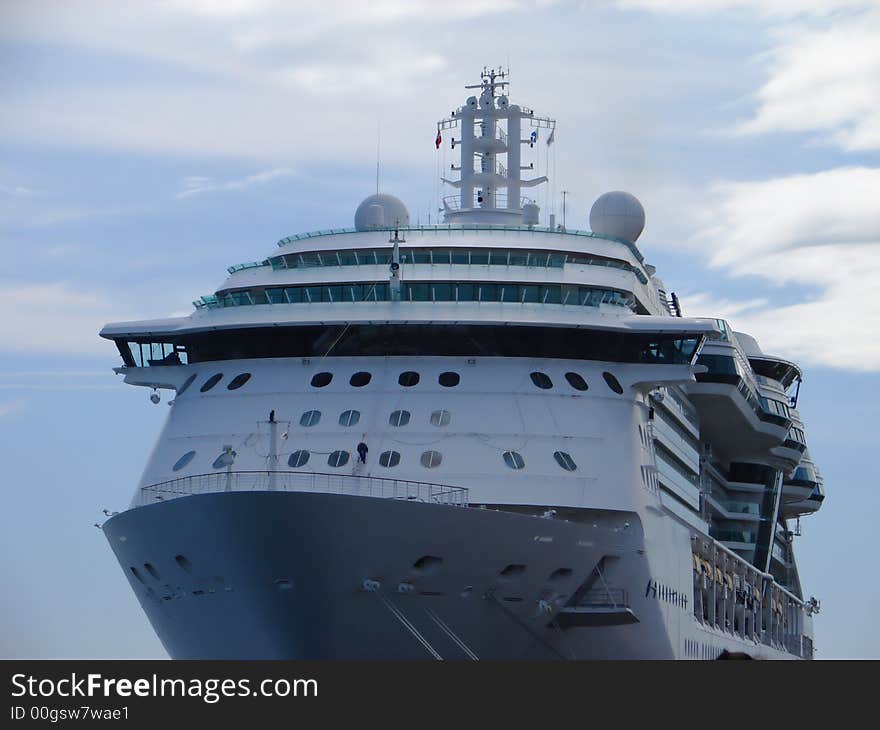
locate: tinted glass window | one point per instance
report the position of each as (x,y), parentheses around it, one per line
(211,382)
(449,380)
(188,382)
(338,458)
(238,381)
(319,380)
(298,458)
(310,418)
(359,380)
(399,418)
(183,460)
(613,382)
(576,381)
(459,340)
(389,458)
(440,418)
(349,418)
(542,380)
(408,379)
(513,459)
(564,460)
(430,459)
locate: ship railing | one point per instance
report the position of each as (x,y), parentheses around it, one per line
(282,481)
(454,202)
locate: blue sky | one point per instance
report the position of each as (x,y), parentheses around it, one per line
(144,147)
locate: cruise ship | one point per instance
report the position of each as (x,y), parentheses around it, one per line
(493,437)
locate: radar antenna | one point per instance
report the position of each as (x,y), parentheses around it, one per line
(491,127)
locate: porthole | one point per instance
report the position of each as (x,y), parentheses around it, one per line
(310,418)
(564,460)
(389,458)
(186,383)
(238,381)
(449,379)
(408,379)
(183,562)
(576,381)
(183,461)
(134,572)
(319,380)
(211,382)
(359,380)
(441,418)
(613,382)
(430,459)
(349,418)
(152,571)
(513,459)
(542,380)
(338,458)
(399,418)
(298,458)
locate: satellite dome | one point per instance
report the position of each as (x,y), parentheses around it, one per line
(381,211)
(619,215)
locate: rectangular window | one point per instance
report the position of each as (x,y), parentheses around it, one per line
(551,294)
(420,256)
(135,349)
(530,293)
(312,293)
(294,294)
(417,292)
(443,292)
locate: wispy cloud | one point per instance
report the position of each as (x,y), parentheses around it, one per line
(766,8)
(822,66)
(196,185)
(824,80)
(52,318)
(812,233)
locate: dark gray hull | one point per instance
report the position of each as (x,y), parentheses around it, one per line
(282,575)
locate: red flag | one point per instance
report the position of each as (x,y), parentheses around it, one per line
(439,140)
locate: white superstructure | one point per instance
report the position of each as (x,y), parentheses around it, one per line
(490,437)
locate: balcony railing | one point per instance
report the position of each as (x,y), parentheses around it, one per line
(283,481)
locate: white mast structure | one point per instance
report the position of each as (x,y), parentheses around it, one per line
(482,141)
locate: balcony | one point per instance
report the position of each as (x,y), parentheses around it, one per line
(743,424)
(283,481)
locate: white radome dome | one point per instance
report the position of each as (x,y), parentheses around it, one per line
(381,211)
(619,215)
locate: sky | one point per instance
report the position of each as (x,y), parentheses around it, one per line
(145,147)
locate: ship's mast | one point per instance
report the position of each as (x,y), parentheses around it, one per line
(491,127)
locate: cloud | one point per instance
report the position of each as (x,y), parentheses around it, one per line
(52,318)
(195,185)
(822,66)
(771,8)
(818,234)
(825,80)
